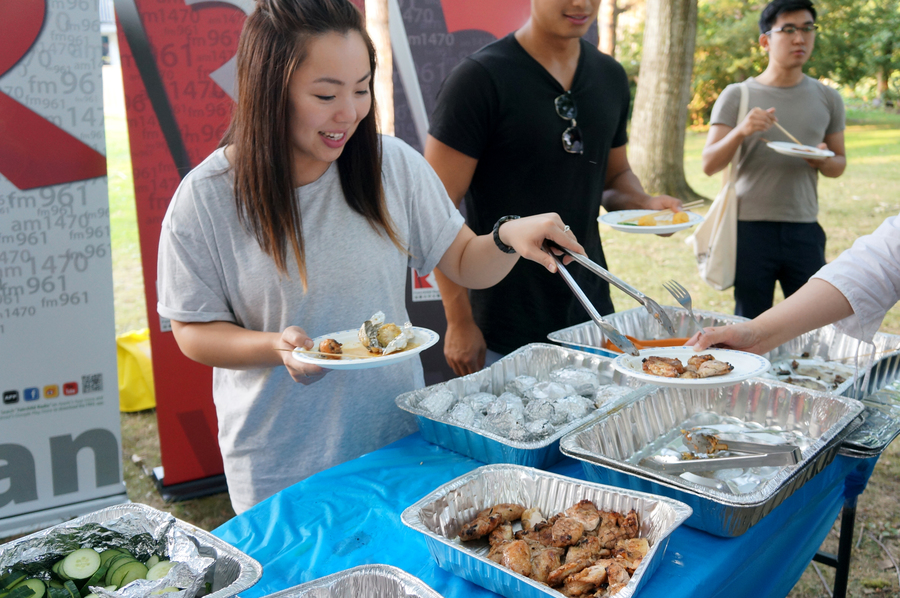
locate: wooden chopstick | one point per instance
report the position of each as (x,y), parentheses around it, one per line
(786,132)
(693,204)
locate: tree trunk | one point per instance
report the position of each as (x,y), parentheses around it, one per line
(663,92)
(609,14)
(377,26)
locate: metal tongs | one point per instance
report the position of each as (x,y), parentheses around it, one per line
(614,336)
(706,445)
(651,306)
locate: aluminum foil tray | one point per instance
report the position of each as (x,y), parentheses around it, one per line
(828,344)
(536,360)
(383,581)
(606,446)
(231,573)
(638,323)
(440,515)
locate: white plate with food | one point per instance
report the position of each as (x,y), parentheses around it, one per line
(799,151)
(664,224)
(710,368)
(354,356)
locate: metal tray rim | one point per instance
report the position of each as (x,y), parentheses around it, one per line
(811,458)
(422,589)
(251,570)
(409,516)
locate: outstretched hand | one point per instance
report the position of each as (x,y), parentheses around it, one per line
(743,337)
(527,235)
(295,337)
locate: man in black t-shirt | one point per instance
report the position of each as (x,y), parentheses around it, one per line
(531,123)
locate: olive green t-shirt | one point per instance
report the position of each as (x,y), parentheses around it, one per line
(771,186)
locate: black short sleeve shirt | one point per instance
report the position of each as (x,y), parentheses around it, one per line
(497,106)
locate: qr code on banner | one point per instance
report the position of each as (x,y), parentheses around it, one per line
(92,383)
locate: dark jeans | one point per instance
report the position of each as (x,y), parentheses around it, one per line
(787,252)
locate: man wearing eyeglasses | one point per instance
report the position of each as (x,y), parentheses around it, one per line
(535,121)
(779,238)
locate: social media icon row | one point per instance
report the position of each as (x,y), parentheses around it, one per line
(50,391)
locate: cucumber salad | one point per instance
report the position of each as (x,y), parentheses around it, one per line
(74,575)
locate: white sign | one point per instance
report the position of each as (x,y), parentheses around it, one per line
(60,438)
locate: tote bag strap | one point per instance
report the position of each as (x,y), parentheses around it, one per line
(742,112)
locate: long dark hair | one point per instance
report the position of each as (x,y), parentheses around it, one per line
(272,46)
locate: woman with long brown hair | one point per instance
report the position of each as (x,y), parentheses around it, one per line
(305,219)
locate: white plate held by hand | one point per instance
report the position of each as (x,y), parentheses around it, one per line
(423,339)
(799,151)
(746,365)
(614,218)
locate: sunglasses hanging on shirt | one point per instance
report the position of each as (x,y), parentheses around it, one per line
(571,137)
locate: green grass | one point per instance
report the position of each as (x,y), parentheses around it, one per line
(851,205)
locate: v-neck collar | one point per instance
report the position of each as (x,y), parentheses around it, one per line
(556,83)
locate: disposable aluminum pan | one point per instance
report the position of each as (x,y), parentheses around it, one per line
(231,572)
(536,360)
(440,515)
(383,581)
(639,324)
(828,344)
(606,446)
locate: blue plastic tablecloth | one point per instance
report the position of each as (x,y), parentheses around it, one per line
(349,515)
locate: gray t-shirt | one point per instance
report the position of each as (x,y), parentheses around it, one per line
(772,186)
(274,432)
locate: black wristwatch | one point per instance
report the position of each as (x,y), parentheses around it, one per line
(500,244)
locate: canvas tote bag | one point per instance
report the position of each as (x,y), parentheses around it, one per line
(715,239)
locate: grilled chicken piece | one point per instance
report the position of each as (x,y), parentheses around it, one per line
(697,360)
(541,535)
(331,347)
(559,575)
(631,525)
(631,552)
(531,517)
(566,531)
(689,374)
(509,511)
(544,560)
(516,555)
(666,367)
(588,547)
(587,579)
(714,367)
(480,526)
(585,512)
(617,577)
(503,533)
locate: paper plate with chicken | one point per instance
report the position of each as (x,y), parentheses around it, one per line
(374,344)
(683,367)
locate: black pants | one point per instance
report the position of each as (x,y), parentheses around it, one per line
(787,252)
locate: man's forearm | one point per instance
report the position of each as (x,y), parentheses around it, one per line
(455,298)
(625,192)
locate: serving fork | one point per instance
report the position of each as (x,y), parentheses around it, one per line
(683,297)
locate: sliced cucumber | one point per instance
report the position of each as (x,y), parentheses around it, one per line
(53,583)
(11,579)
(80,564)
(151,562)
(115,564)
(35,584)
(22,591)
(109,553)
(160,570)
(72,589)
(95,580)
(60,592)
(129,572)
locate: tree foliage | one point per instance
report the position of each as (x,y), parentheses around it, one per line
(857,42)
